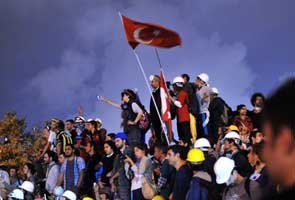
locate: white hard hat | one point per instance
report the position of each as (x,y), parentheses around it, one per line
(70,195)
(214,90)
(178,79)
(27,186)
(17,194)
(232,135)
(204,77)
(202,144)
(151,77)
(58,191)
(223,169)
(98,120)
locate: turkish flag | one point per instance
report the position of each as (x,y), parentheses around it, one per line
(149,34)
(166,114)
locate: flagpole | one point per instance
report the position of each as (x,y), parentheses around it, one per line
(151,93)
(161,69)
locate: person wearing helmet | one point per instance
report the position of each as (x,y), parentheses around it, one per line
(201,182)
(203,95)
(232,150)
(68,195)
(210,156)
(16,194)
(226,173)
(183,118)
(219,116)
(119,181)
(28,189)
(158,197)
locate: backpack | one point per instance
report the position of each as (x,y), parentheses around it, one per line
(226,114)
(213,193)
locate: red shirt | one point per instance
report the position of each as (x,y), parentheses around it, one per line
(183,113)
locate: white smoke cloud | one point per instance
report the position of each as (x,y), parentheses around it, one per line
(101,62)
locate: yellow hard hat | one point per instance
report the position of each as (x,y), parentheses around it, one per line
(233,128)
(87,198)
(195,156)
(158,197)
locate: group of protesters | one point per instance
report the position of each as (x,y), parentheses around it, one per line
(216,153)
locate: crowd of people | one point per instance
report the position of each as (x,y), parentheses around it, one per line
(216,153)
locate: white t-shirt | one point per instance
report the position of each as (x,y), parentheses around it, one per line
(52,139)
(136,108)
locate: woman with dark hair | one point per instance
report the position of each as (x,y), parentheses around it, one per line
(29,172)
(107,163)
(132,112)
(257,101)
(142,169)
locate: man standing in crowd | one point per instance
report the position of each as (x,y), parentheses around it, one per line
(52,171)
(203,95)
(193,105)
(166,173)
(177,157)
(72,170)
(92,165)
(257,101)
(71,130)
(279,129)
(120,183)
(156,122)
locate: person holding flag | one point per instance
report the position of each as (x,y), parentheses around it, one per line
(183,118)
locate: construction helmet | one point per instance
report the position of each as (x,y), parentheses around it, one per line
(214,90)
(204,77)
(17,194)
(158,197)
(58,191)
(178,81)
(233,128)
(98,120)
(87,198)
(27,186)
(232,135)
(223,169)
(202,144)
(79,119)
(195,156)
(70,195)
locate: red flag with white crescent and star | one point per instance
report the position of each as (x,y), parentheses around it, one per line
(149,34)
(166,114)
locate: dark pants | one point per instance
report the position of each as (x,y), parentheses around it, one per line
(137,195)
(134,135)
(184,132)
